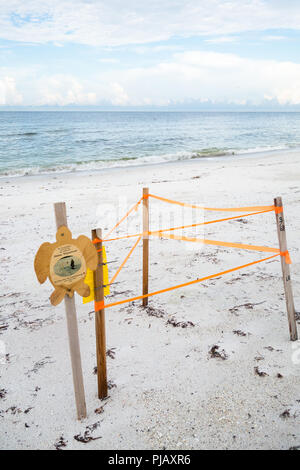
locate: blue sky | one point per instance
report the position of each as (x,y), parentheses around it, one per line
(168,53)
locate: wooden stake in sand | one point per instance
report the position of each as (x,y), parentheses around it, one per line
(61,220)
(145,245)
(100,319)
(286,271)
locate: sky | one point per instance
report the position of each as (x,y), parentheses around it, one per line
(143,54)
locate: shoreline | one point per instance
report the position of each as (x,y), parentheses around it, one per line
(196,160)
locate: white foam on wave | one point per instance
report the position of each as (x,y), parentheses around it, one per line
(136,161)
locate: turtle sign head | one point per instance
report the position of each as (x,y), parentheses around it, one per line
(63,234)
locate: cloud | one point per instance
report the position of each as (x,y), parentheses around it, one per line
(190,76)
(115,22)
(221,40)
(210,76)
(8,92)
(61,90)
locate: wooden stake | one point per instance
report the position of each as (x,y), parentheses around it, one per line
(286,272)
(61,219)
(145,245)
(100,320)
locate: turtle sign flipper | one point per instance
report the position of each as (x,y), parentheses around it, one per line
(57,295)
(82,289)
(42,262)
(89,252)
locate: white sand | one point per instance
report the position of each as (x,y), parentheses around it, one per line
(169,393)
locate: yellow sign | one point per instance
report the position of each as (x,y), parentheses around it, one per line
(89,280)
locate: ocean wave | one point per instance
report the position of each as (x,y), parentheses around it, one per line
(126,161)
(20,134)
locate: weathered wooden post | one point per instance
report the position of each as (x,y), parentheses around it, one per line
(61,220)
(145,245)
(285,269)
(100,319)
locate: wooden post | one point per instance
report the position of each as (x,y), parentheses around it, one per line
(286,271)
(100,320)
(145,245)
(61,219)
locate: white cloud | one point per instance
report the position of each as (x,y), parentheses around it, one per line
(8,92)
(116,22)
(61,90)
(117,95)
(199,75)
(221,40)
(189,76)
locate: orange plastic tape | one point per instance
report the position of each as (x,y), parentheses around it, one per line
(125,216)
(155,232)
(278,210)
(287,256)
(125,260)
(230,209)
(242,246)
(100,305)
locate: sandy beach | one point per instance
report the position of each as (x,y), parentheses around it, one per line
(166,390)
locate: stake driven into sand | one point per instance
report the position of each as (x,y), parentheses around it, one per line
(61,219)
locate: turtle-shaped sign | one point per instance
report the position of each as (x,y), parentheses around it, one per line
(65,262)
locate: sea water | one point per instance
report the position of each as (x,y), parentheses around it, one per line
(48,141)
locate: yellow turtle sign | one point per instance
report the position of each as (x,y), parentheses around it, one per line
(65,262)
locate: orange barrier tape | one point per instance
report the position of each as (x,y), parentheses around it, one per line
(278,209)
(231,209)
(287,256)
(125,260)
(125,216)
(155,232)
(242,246)
(100,305)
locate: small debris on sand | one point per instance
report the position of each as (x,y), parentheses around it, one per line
(87,437)
(216,353)
(155,312)
(179,324)
(3,393)
(239,333)
(111,353)
(111,384)
(260,373)
(248,306)
(286,414)
(60,443)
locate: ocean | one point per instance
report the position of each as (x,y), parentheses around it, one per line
(45,142)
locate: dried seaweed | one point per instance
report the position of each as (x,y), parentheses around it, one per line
(111,353)
(111,384)
(155,312)
(286,414)
(239,333)
(179,324)
(215,352)
(248,306)
(260,373)
(60,443)
(86,436)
